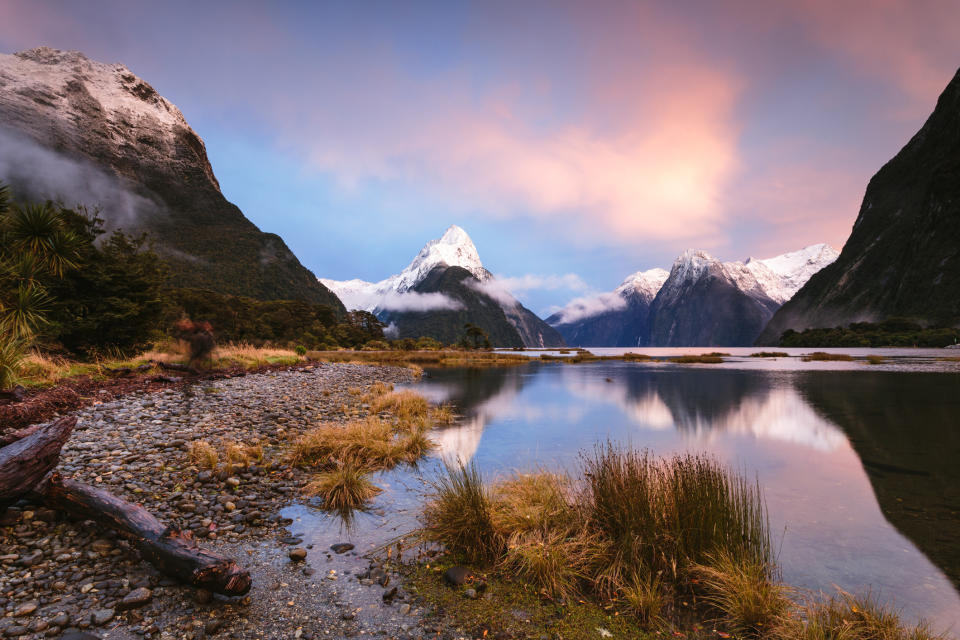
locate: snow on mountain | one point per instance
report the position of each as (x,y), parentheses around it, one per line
(776,278)
(453,249)
(791,270)
(642,284)
(84,132)
(645,284)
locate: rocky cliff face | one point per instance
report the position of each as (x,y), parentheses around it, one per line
(902,258)
(76,129)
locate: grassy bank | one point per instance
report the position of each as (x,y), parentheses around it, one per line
(343,457)
(39,370)
(435,358)
(678,545)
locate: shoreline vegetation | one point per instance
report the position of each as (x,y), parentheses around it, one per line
(894,332)
(632,546)
(36,369)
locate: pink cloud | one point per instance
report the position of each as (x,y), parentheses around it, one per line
(647,160)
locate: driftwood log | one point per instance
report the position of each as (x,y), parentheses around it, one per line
(174,366)
(169,550)
(25,462)
(126,371)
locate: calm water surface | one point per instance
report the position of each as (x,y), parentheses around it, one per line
(859,463)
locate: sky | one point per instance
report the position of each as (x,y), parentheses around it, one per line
(575,142)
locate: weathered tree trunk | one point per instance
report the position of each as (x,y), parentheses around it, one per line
(126,371)
(10,437)
(169,550)
(25,462)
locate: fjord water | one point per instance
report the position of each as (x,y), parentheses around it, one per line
(859,466)
(858,462)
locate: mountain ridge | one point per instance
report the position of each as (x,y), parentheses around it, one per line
(733,300)
(902,258)
(115,140)
(420,300)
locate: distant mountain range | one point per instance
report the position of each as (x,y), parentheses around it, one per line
(97,134)
(443,288)
(902,258)
(701,301)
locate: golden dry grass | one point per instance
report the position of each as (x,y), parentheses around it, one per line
(443,415)
(848,617)
(416,360)
(703,358)
(370,444)
(644,597)
(203,454)
(343,488)
(404,405)
(742,593)
(823,356)
(533,501)
(224,356)
(228,455)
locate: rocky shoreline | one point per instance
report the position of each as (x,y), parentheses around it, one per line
(60,576)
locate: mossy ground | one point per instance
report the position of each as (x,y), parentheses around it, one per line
(510,609)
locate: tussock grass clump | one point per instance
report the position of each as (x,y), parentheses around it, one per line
(556,562)
(770,354)
(534,502)
(443,414)
(203,454)
(405,405)
(744,594)
(371,444)
(849,617)
(631,531)
(823,356)
(644,597)
(646,536)
(242,454)
(228,455)
(665,516)
(377,389)
(873,359)
(345,488)
(704,358)
(459,515)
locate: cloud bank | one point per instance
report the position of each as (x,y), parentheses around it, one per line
(589,306)
(38,173)
(414,301)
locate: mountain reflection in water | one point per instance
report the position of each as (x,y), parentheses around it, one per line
(859,467)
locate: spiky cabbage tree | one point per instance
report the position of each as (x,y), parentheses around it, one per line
(36,248)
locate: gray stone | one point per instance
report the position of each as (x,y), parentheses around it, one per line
(457,576)
(135,599)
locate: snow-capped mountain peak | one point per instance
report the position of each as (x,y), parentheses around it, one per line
(453,249)
(644,283)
